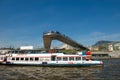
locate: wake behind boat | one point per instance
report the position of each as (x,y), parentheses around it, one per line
(40,58)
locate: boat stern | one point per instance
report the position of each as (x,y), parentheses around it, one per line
(98,63)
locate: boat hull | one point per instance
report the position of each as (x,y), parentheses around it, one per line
(54,65)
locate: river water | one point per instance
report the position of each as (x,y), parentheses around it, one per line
(110,71)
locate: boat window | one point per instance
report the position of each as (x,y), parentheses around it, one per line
(36,58)
(71,58)
(65,58)
(21,52)
(38,51)
(78,58)
(41,59)
(33,51)
(22,59)
(53,58)
(13,58)
(26,59)
(12,51)
(16,51)
(27,51)
(59,58)
(83,58)
(47,59)
(9,51)
(5,58)
(31,59)
(2,58)
(9,58)
(17,59)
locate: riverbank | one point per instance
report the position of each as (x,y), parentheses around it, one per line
(106,55)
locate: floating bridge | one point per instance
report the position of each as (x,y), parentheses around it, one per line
(54,35)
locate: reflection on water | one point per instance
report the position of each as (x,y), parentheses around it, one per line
(110,71)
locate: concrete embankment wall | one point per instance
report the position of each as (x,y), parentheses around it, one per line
(104,55)
(115,54)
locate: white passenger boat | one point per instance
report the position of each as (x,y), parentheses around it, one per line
(40,58)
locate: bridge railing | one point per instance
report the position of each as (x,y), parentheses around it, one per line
(58,33)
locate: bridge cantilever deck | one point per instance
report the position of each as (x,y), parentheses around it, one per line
(54,35)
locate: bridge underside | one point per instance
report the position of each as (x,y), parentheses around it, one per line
(48,37)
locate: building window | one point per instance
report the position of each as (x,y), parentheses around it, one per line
(71,58)
(65,58)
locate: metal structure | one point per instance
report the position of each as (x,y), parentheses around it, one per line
(54,35)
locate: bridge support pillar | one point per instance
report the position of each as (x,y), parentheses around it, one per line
(47,42)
